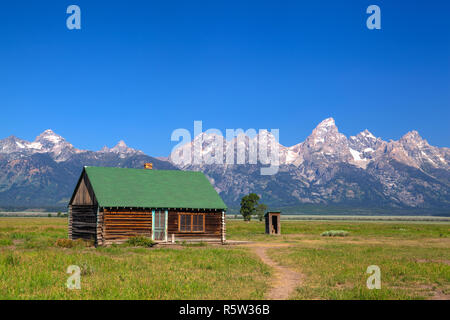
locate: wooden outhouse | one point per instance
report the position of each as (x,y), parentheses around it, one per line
(273,222)
(110,205)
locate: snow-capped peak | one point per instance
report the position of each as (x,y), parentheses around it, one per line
(413,139)
(363,146)
(46,142)
(121,143)
(104,149)
(54,144)
(412,135)
(367,134)
(328,122)
(326,132)
(122,148)
(325,127)
(48,136)
(207,136)
(49,141)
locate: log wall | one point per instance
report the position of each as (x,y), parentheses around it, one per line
(100,227)
(213,227)
(121,224)
(83,222)
(117,225)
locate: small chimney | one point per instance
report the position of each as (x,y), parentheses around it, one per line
(148,166)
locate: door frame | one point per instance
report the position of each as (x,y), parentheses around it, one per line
(166,214)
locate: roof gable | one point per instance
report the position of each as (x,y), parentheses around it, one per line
(122,187)
(83,193)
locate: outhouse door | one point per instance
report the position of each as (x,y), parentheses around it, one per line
(275,224)
(159,225)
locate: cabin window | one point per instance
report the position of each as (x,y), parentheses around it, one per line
(189,222)
(185,223)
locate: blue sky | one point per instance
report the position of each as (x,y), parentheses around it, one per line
(137,70)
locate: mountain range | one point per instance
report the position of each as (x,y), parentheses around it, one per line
(43,173)
(332,172)
(327,172)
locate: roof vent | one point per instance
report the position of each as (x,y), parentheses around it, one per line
(148,166)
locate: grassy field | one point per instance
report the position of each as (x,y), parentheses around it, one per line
(32,267)
(414,259)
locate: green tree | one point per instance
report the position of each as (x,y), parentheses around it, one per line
(248,205)
(260,211)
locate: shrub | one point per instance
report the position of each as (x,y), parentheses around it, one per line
(140,241)
(67,243)
(64,243)
(86,269)
(334,233)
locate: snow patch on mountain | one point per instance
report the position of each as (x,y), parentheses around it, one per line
(53,144)
(325,146)
(356,155)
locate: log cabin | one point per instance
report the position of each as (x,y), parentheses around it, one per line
(110,205)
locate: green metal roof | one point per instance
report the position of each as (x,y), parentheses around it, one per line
(121,187)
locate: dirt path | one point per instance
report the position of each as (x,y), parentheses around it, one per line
(285,280)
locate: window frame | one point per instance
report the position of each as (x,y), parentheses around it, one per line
(191,217)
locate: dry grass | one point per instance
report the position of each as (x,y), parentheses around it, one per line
(413,258)
(414,261)
(32,266)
